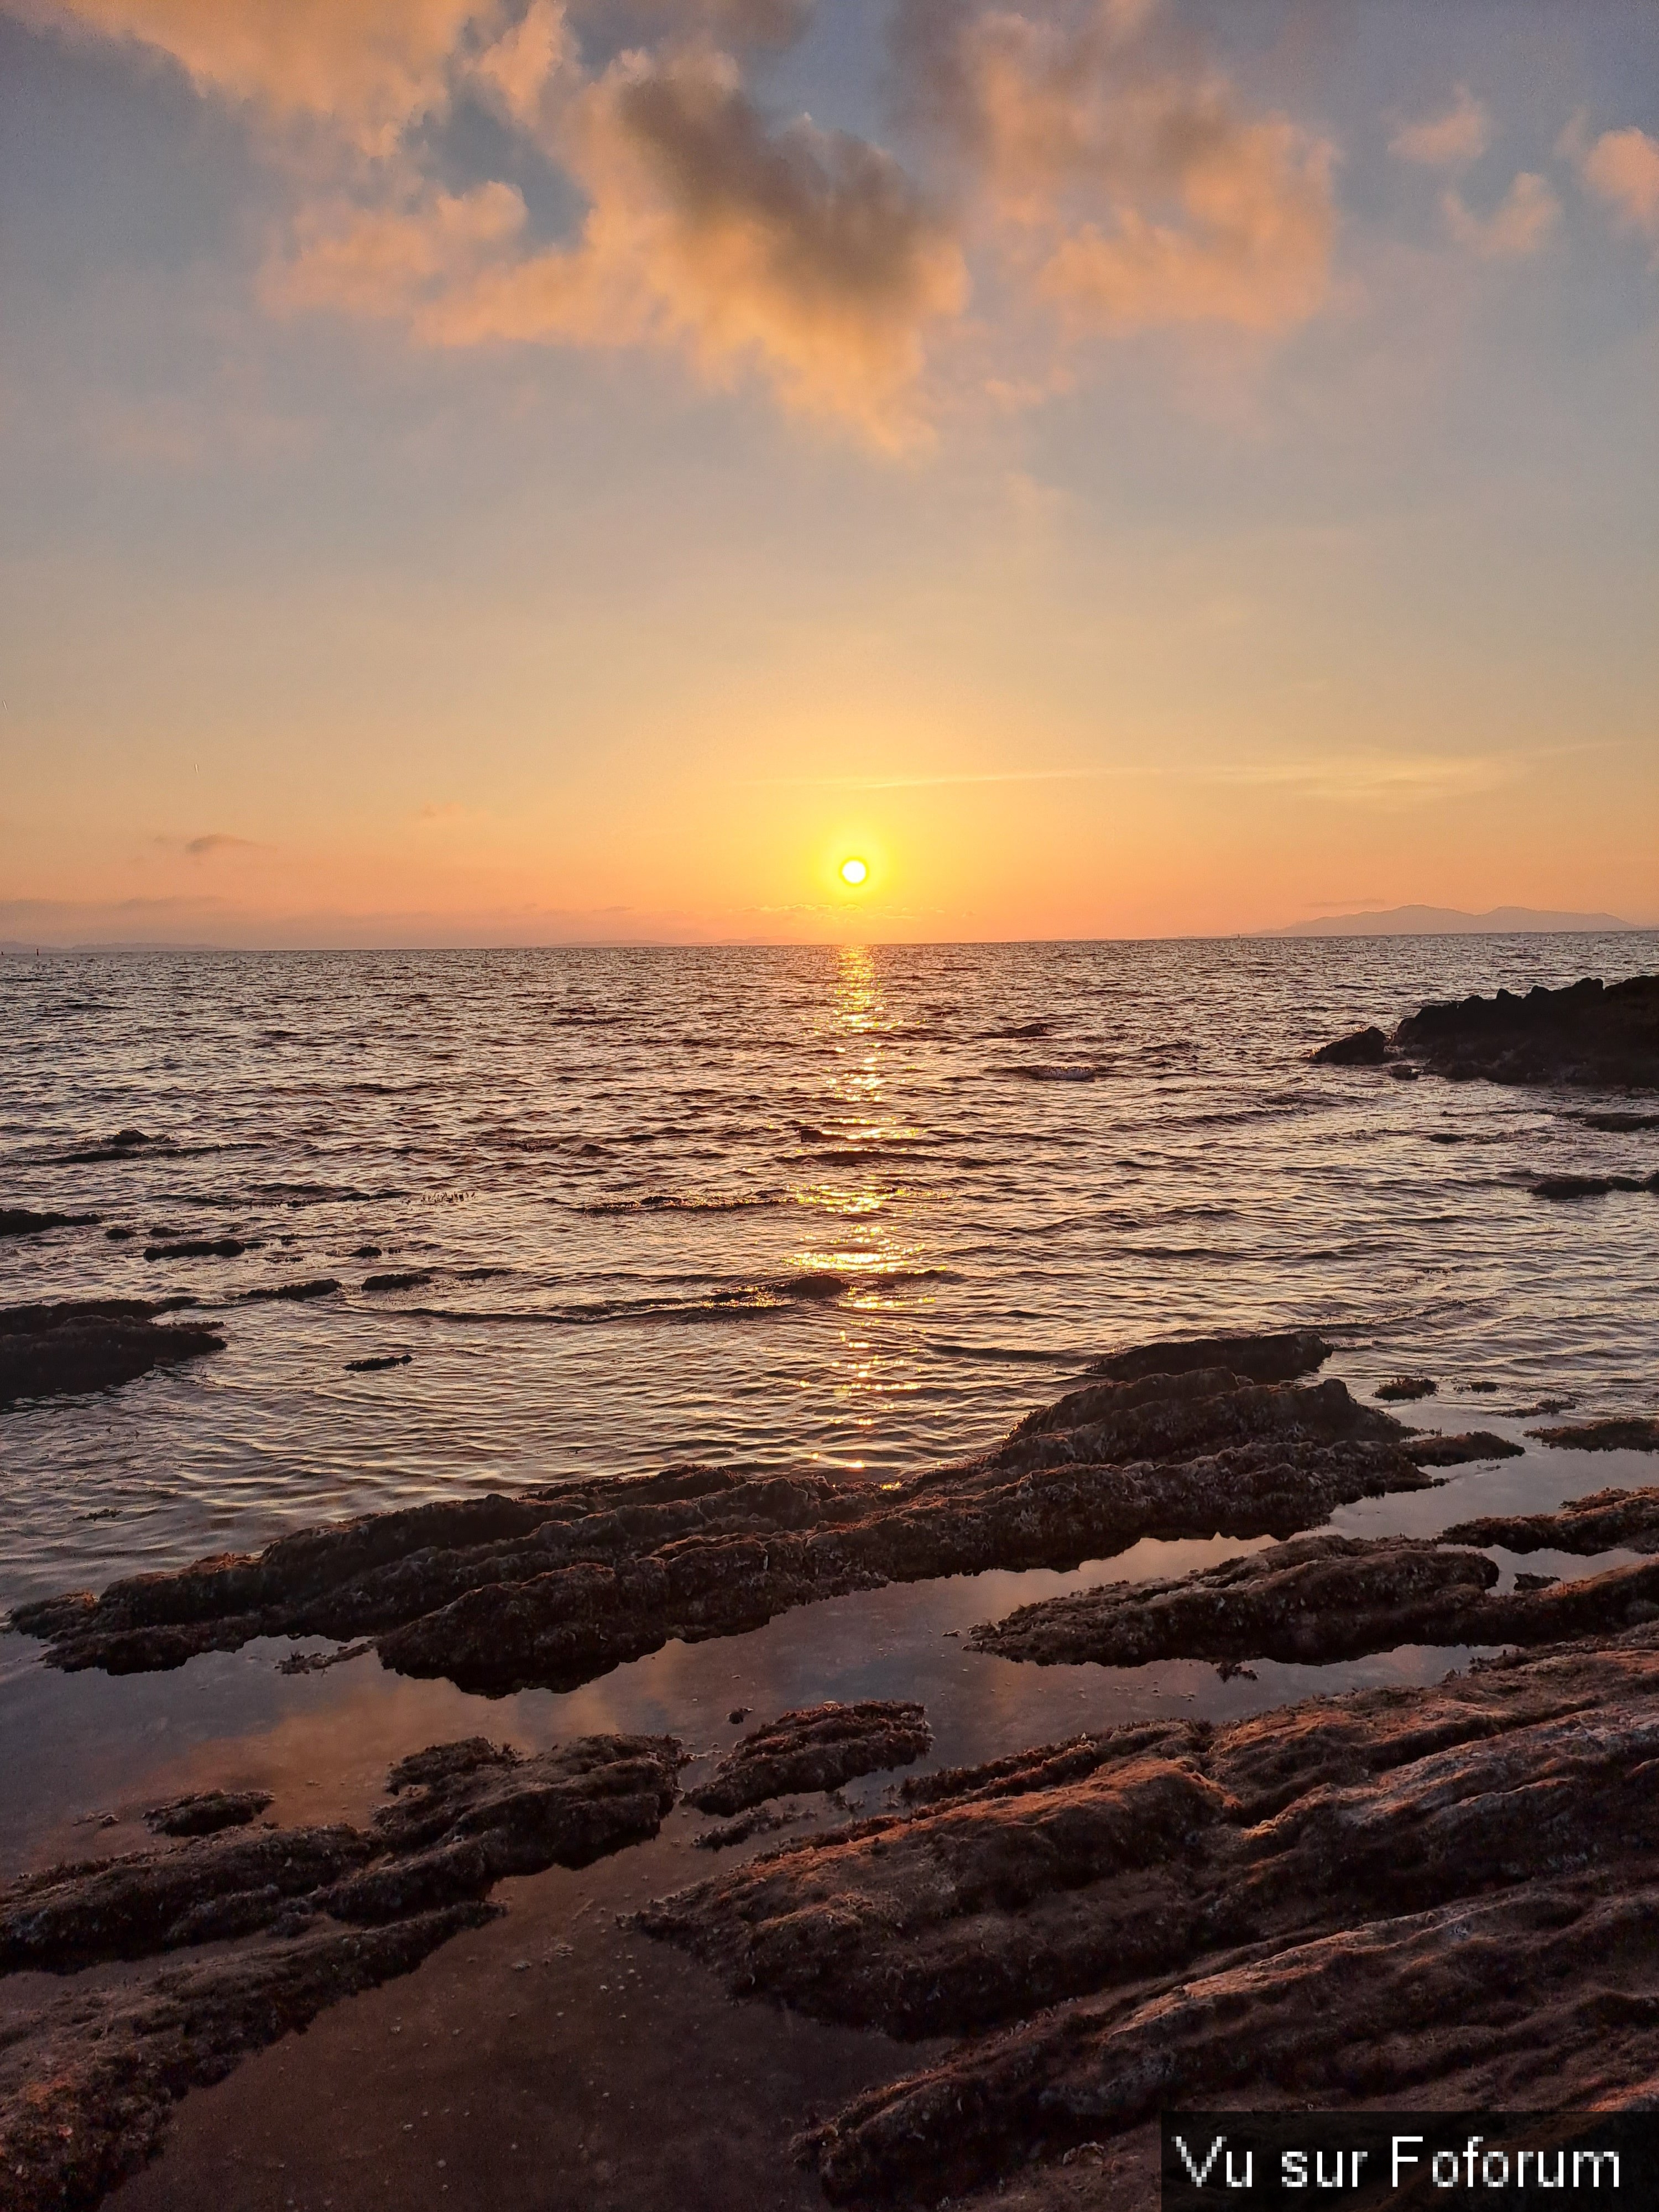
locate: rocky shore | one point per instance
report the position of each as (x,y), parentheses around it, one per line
(552,1588)
(1445,1894)
(77,1345)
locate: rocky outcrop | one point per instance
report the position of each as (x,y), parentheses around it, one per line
(1347,1898)
(1319,1598)
(1605,1521)
(203,1248)
(87,2086)
(817,1748)
(463,1817)
(88,1345)
(86,2083)
(1588,1032)
(554,1587)
(1636,1432)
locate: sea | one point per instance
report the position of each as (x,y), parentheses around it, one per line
(855,1208)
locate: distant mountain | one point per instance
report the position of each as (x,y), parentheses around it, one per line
(1448,921)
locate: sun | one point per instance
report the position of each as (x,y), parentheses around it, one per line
(854,873)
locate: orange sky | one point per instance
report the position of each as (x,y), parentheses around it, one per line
(506,474)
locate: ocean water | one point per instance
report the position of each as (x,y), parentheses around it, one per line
(857,1208)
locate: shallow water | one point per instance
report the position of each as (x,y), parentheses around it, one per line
(625,1175)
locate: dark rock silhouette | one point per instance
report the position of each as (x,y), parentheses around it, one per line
(1592,1186)
(89,1344)
(554,1587)
(1364,1048)
(817,1748)
(1588,1032)
(20,1221)
(321,1286)
(412,1278)
(203,1248)
(374,1365)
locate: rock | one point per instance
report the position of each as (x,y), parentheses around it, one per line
(207,1812)
(737,1715)
(1311,1602)
(1591,1186)
(1586,1033)
(1399,1387)
(91,1343)
(382,1360)
(818,1747)
(1434,1450)
(1364,1897)
(413,1278)
(552,1588)
(1638,1433)
(120,1236)
(321,1286)
(1605,1521)
(1619,1124)
(1364,1048)
(20,1221)
(203,1248)
(1279,1356)
(367,1251)
(88,2084)
(463,1817)
(761,1821)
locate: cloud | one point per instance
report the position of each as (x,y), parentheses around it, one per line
(1450,141)
(1118,175)
(366,67)
(1522,223)
(1622,168)
(1082,159)
(808,254)
(211,842)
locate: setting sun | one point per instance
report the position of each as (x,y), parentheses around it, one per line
(854,873)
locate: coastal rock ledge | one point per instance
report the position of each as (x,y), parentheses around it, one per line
(550,1587)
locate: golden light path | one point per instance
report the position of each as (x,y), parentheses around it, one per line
(854,873)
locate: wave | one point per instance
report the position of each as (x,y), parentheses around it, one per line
(1062,1071)
(787,1294)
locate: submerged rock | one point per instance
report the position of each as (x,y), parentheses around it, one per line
(1358,1897)
(553,1587)
(89,1344)
(20,1221)
(817,1748)
(1399,1388)
(1316,1600)
(1592,1186)
(203,1248)
(379,1361)
(320,1286)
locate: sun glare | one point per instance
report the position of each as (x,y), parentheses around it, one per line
(854,873)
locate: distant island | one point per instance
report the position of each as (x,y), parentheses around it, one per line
(1448,921)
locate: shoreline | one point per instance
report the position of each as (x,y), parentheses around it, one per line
(905,1639)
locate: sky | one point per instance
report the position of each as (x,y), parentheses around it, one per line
(513,474)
